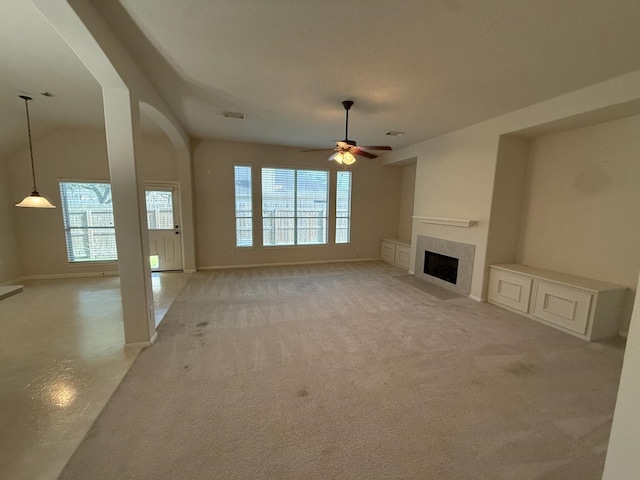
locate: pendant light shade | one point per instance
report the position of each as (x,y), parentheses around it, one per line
(35,200)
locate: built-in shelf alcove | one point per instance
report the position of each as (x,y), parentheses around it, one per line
(562,196)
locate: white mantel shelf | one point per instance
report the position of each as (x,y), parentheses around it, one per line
(452,222)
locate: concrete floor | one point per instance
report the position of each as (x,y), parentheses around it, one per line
(61,358)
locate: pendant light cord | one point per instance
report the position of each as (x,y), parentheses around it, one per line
(33,169)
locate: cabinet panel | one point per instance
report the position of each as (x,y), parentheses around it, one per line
(563,306)
(403,254)
(388,251)
(510,290)
(584,307)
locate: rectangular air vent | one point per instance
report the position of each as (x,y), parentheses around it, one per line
(239,115)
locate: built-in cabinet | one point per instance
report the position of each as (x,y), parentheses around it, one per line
(583,307)
(396,251)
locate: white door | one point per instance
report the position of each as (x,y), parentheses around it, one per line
(165,247)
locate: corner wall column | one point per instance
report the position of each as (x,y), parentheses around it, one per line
(122,121)
(185,176)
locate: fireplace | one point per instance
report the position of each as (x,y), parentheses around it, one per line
(441,266)
(445,263)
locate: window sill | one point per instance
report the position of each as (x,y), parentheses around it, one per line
(93,263)
(320,245)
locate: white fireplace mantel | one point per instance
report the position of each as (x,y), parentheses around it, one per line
(452,222)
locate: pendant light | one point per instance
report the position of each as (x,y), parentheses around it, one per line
(35,200)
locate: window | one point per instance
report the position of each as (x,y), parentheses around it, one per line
(244,206)
(87,213)
(159,208)
(294,206)
(343,207)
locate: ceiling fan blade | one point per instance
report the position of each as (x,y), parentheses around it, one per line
(376,147)
(317,150)
(358,151)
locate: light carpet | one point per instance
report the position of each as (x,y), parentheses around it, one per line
(343,371)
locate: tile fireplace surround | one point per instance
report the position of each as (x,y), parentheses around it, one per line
(462,251)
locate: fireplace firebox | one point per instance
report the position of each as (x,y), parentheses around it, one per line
(441,266)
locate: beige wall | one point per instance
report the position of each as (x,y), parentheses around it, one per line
(580,209)
(506,204)
(70,154)
(9,253)
(407,193)
(375,205)
(455,172)
(454,179)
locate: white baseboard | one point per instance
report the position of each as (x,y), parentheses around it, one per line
(9,290)
(190,270)
(411,272)
(142,344)
(477,299)
(54,276)
(69,275)
(315,262)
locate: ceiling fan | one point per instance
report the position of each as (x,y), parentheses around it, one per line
(347,149)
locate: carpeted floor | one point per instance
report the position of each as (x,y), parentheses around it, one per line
(344,371)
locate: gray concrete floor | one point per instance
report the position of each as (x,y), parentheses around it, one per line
(61,357)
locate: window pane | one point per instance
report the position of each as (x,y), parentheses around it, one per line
(159,210)
(343,206)
(278,192)
(342,230)
(87,214)
(312,189)
(244,232)
(244,206)
(294,206)
(278,206)
(312,231)
(278,231)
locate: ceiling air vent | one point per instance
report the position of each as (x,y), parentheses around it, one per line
(239,115)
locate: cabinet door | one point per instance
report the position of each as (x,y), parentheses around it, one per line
(403,253)
(561,305)
(510,289)
(388,252)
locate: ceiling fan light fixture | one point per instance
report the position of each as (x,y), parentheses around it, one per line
(337,157)
(343,158)
(346,150)
(348,158)
(35,200)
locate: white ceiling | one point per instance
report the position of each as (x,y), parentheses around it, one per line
(422,67)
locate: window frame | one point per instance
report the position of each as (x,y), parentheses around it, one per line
(66,224)
(235,211)
(348,217)
(295,217)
